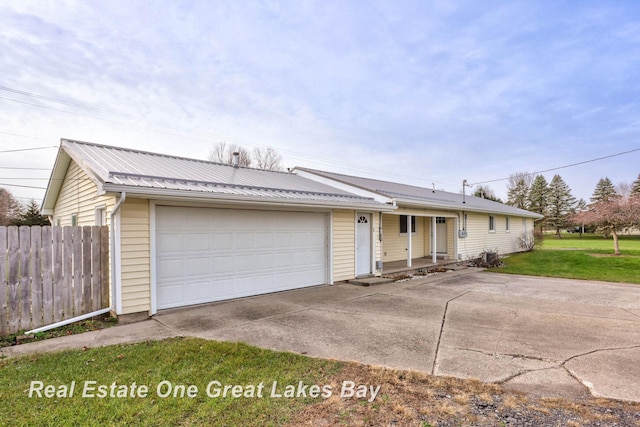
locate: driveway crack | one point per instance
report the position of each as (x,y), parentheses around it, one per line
(444,318)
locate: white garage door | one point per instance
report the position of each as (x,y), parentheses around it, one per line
(205,255)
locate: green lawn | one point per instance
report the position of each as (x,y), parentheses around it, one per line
(574,258)
(178,361)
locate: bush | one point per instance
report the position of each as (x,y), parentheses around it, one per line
(529,240)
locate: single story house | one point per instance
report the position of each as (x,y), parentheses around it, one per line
(187,231)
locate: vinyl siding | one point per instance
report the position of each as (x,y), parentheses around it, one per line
(79,195)
(135,256)
(479,239)
(344,244)
(394,244)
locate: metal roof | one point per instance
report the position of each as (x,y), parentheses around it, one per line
(143,173)
(405,194)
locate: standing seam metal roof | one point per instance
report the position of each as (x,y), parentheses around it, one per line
(427,197)
(117,166)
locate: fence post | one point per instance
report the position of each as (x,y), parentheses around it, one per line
(25,283)
(14,253)
(86,269)
(67,272)
(36,276)
(76,233)
(47,275)
(58,289)
(3,282)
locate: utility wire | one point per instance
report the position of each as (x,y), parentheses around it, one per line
(23,186)
(30,169)
(180,129)
(562,167)
(28,149)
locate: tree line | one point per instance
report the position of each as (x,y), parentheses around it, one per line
(12,212)
(612,209)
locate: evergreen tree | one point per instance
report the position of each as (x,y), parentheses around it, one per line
(604,191)
(635,187)
(31,216)
(537,198)
(485,192)
(560,204)
(10,208)
(517,195)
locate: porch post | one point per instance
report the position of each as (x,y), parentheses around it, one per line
(408,240)
(434,255)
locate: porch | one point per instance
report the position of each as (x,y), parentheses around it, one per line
(400,266)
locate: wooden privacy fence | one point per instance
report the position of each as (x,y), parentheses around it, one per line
(49,274)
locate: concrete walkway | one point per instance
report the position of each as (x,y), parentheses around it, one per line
(549,337)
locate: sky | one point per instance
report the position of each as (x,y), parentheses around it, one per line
(420,92)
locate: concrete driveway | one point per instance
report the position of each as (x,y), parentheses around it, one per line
(550,337)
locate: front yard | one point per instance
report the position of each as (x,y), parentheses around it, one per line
(589,258)
(176,377)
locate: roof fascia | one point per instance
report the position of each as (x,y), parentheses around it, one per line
(360,191)
(82,163)
(464,207)
(56,179)
(166,194)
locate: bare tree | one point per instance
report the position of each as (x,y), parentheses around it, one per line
(623,189)
(267,158)
(10,208)
(223,153)
(485,192)
(516,178)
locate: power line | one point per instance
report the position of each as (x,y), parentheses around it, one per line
(21,136)
(23,186)
(563,167)
(20,168)
(180,129)
(28,149)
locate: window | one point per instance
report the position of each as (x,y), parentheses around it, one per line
(506,224)
(101,216)
(441,220)
(492,223)
(403,224)
(74,219)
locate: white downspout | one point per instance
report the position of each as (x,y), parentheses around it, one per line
(112,261)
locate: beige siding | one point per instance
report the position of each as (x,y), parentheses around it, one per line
(344,243)
(78,195)
(480,239)
(394,244)
(135,256)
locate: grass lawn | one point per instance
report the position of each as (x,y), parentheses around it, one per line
(405,398)
(179,361)
(571,257)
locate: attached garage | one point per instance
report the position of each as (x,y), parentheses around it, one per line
(206,254)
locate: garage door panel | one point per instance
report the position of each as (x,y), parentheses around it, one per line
(214,254)
(221,241)
(197,242)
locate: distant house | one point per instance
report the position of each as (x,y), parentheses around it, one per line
(189,231)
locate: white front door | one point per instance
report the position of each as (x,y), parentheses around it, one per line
(441,235)
(363,244)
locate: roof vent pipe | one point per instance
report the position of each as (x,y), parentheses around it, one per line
(236,159)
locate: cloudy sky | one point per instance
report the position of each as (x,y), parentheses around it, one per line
(420,91)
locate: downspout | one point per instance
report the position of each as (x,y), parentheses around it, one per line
(123,196)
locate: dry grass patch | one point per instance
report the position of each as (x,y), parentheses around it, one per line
(409,398)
